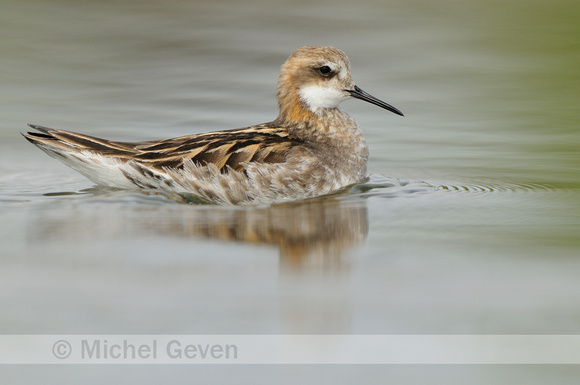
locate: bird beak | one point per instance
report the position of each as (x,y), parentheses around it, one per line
(362,95)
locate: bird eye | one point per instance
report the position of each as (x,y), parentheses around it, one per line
(325,71)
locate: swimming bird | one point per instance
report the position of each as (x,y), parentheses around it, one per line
(312,148)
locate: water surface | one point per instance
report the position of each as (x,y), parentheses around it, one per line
(468,224)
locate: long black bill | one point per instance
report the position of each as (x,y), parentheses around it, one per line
(362,95)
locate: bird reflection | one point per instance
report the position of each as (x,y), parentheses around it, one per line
(319,232)
(315,232)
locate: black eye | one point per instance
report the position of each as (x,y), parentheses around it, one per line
(325,71)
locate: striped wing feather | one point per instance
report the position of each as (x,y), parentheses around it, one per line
(266,143)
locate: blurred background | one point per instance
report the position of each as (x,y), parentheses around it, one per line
(468,225)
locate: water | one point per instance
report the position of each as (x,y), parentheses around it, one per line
(468,225)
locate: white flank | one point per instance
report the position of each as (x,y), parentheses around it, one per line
(102,170)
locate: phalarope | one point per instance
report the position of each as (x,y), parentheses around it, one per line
(312,148)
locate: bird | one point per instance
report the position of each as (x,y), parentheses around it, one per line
(312,148)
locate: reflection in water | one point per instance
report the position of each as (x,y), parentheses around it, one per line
(314,232)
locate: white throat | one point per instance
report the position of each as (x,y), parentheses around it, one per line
(319,97)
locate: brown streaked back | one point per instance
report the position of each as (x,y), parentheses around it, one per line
(231,149)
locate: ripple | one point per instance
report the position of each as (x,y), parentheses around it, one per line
(390,187)
(516,186)
(377,186)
